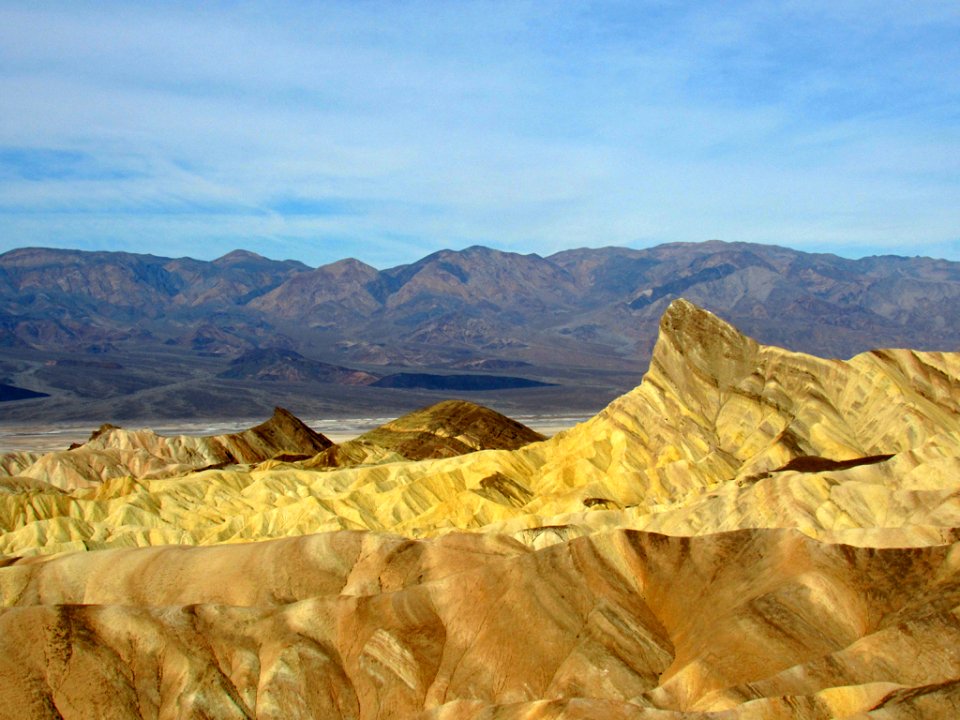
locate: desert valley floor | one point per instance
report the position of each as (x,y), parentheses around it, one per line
(749,533)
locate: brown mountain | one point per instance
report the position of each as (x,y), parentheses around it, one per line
(57,297)
(340,292)
(446,429)
(508,300)
(585,320)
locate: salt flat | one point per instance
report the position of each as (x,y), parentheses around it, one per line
(44,437)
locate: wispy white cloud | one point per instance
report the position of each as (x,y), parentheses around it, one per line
(386,130)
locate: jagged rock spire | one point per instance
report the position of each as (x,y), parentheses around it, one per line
(696,338)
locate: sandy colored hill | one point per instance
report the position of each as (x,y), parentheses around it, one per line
(114,452)
(696,448)
(445,429)
(761,624)
(750,533)
(13,463)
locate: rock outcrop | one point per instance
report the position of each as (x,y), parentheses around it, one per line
(445,429)
(113,452)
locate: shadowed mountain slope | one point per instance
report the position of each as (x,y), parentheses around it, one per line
(447,429)
(9,393)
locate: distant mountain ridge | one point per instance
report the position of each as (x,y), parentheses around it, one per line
(569,315)
(478,298)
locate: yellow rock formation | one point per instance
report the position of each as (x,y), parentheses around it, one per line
(753,623)
(113,452)
(697,448)
(750,533)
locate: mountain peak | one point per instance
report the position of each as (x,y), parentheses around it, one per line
(691,323)
(350,267)
(693,337)
(448,428)
(235,256)
(283,432)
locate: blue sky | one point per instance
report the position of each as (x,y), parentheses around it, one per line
(388,130)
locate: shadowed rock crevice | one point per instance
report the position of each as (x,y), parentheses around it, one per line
(808,463)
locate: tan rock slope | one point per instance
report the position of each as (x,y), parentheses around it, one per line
(757,623)
(446,429)
(704,444)
(113,452)
(751,533)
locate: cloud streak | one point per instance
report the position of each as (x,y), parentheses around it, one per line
(387,130)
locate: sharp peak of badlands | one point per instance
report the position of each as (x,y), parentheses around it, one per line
(751,532)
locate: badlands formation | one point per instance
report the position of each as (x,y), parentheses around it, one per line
(750,533)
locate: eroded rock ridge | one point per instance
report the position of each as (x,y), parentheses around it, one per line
(750,533)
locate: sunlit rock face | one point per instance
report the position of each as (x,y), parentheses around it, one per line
(749,533)
(758,623)
(113,452)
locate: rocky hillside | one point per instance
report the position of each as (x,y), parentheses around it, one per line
(446,429)
(584,321)
(751,532)
(113,452)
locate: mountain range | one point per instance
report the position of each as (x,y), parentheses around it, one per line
(124,335)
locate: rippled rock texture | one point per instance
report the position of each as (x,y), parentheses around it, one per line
(750,533)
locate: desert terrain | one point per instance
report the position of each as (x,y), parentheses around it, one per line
(479,360)
(751,532)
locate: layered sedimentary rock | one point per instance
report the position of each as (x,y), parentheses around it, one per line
(114,452)
(767,623)
(751,533)
(446,429)
(13,463)
(704,444)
